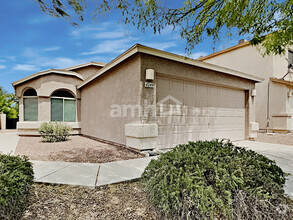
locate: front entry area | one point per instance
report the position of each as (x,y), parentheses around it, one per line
(190,111)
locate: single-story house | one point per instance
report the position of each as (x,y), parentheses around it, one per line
(274,96)
(143,99)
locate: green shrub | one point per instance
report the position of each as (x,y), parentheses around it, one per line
(54,131)
(216,180)
(16,178)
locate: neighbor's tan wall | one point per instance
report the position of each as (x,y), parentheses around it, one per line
(45,86)
(280,65)
(280,113)
(249,60)
(120,86)
(88,71)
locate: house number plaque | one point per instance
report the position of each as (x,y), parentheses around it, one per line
(149,85)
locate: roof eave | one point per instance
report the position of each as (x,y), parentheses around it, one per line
(85,65)
(197,63)
(119,59)
(50,71)
(151,51)
(238,46)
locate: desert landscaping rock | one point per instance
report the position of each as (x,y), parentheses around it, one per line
(76,149)
(274,138)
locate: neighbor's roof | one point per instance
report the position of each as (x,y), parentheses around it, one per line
(151,51)
(244,44)
(92,63)
(50,71)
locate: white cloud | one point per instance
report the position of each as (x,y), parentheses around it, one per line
(110,46)
(2,67)
(60,62)
(192,56)
(84,31)
(161,45)
(25,67)
(12,58)
(36,20)
(51,49)
(198,55)
(35,60)
(111,35)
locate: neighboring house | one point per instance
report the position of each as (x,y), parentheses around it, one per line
(117,102)
(274,96)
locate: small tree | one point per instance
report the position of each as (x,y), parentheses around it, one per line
(195,19)
(8,104)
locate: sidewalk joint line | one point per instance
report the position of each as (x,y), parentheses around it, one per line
(97,176)
(54,172)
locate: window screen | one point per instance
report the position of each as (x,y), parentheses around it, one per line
(56,109)
(69,110)
(30,109)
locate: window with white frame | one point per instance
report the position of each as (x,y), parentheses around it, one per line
(30,105)
(63,106)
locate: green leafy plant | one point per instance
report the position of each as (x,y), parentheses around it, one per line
(54,131)
(216,180)
(194,19)
(16,178)
(8,104)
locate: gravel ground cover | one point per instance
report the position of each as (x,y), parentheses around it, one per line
(275,138)
(120,201)
(76,149)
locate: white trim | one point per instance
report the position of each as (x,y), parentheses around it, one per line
(85,65)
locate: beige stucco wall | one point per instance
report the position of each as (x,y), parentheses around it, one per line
(280,109)
(178,70)
(88,71)
(119,87)
(249,60)
(45,86)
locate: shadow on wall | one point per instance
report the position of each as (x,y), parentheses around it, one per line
(7,123)
(11,123)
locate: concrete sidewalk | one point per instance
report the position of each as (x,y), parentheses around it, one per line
(89,174)
(282,154)
(8,141)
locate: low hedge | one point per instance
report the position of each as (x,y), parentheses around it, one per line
(216,180)
(54,131)
(16,178)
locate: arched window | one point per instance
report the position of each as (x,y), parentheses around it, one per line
(30,105)
(63,106)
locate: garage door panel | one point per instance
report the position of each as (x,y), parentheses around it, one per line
(207,112)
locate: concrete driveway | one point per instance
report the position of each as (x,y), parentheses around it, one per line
(8,141)
(282,154)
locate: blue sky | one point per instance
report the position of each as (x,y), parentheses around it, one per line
(32,41)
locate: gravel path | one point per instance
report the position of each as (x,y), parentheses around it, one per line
(120,201)
(76,149)
(275,138)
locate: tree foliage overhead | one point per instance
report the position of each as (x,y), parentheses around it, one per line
(8,104)
(269,22)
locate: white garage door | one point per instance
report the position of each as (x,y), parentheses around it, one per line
(192,111)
